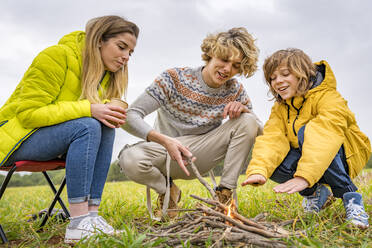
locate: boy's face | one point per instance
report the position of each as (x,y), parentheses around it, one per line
(284,82)
(218,71)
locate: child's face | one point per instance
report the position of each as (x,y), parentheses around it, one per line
(218,71)
(284,82)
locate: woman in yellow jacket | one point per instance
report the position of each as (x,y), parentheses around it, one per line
(58,110)
(311,137)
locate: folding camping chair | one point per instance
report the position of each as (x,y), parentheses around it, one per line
(36,166)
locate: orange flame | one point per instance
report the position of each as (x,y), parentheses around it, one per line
(231,208)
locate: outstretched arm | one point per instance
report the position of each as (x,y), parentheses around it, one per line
(136,125)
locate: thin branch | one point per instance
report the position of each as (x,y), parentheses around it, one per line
(201,179)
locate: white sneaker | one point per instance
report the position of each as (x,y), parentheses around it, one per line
(85,229)
(101,224)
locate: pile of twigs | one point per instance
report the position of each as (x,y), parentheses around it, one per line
(211,225)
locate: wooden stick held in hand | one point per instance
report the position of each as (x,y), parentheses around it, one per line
(201,179)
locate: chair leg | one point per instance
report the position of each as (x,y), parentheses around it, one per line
(56,197)
(2,235)
(6,180)
(65,210)
(2,190)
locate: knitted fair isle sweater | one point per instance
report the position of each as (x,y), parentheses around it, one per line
(185,104)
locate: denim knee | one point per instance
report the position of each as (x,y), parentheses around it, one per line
(90,124)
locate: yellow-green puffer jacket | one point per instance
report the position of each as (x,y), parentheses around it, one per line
(48,94)
(329,124)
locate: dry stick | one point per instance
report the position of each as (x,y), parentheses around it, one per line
(286,222)
(201,237)
(218,242)
(180,209)
(224,207)
(233,237)
(201,179)
(175,224)
(260,216)
(193,222)
(240,225)
(223,225)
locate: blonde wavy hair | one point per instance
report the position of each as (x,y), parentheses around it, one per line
(229,45)
(97,30)
(297,62)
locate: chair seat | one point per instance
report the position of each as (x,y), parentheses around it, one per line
(37,166)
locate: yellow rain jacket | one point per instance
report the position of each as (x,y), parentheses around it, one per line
(48,94)
(329,124)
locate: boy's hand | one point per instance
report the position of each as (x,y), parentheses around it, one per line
(234,109)
(293,185)
(255,180)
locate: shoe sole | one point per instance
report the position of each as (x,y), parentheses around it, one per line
(71,241)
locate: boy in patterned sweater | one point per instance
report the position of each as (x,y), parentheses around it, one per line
(191,104)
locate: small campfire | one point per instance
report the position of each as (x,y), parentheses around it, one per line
(217,224)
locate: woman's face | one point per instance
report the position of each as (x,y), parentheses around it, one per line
(115,52)
(218,71)
(284,82)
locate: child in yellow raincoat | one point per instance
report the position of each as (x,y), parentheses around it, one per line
(311,137)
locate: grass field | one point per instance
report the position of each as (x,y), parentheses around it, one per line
(124,206)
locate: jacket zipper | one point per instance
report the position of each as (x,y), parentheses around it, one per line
(20,141)
(298,113)
(3,122)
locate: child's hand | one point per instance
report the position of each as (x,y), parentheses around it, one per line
(293,185)
(255,180)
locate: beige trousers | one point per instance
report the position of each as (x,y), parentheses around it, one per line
(144,162)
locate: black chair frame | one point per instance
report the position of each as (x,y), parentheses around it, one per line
(56,198)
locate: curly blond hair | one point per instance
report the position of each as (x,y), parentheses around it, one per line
(297,62)
(229,45)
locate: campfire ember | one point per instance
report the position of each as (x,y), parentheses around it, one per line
(217,225)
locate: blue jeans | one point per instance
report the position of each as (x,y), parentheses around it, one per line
(87,145)
(336,176)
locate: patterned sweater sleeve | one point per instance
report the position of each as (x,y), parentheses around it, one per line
(244,98)
(156,95)
(135,123)
(161,89)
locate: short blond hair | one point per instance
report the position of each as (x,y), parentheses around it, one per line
(297,62)
(229,45)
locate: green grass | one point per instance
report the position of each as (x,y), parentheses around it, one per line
(124,207)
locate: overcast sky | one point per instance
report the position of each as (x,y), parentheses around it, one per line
(171,32)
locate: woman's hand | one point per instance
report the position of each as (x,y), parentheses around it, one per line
(111,116)
(255,180)
(234,109)
(293,185)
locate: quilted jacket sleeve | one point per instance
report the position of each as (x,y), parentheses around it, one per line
(41,86)
(324,136)
(270,148)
